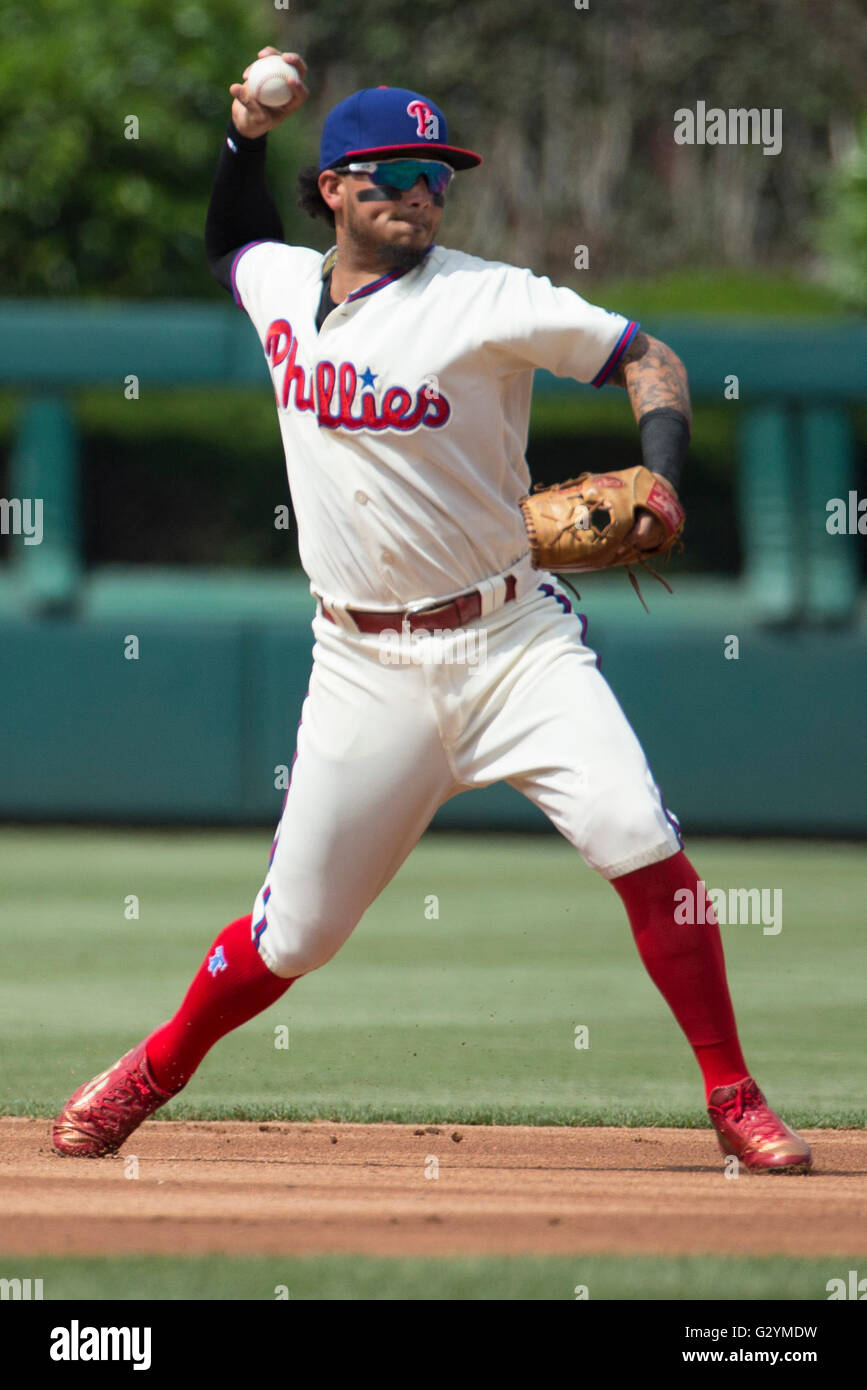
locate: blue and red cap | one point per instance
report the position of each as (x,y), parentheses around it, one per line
(388,123)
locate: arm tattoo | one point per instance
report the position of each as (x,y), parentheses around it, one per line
(653,376)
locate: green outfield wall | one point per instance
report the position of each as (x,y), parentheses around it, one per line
(200,724)
(197,722)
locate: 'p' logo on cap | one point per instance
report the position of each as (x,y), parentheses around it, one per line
(428,122)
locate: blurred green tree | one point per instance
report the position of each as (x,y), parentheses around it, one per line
(572,109)
(843,229)
(84,209)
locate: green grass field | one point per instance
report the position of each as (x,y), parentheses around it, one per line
(467,1017)
(358,1278)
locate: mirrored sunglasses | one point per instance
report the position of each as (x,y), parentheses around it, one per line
(404,173)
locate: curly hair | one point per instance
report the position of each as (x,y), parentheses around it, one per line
(310,199)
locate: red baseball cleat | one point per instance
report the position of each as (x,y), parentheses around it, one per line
(747,1127)
(102,1113)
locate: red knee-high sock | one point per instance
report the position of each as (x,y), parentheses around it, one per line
(685,962)
(233,985)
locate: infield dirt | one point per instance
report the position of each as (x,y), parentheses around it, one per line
(248,1188)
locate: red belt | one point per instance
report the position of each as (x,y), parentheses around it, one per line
(457,613)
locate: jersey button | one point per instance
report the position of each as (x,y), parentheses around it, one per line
(361,498)
(387,557)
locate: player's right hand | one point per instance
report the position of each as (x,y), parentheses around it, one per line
(250,118)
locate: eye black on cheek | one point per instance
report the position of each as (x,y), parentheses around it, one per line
(377,195)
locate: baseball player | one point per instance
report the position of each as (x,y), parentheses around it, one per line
(402,373)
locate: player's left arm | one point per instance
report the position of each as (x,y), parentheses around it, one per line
(655,380)
(653,376)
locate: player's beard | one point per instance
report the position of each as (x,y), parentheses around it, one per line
(391,257)
(402,257)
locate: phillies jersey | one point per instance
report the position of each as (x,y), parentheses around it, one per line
(404,418)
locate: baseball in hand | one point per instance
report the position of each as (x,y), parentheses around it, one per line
(268,81)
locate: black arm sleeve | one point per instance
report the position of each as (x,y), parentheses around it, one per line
(241,208)
(664,441)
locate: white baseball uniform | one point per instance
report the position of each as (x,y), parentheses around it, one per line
(404,421)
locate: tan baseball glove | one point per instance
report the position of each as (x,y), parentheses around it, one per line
(583,524)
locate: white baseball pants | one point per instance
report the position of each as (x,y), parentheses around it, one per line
(394,726)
